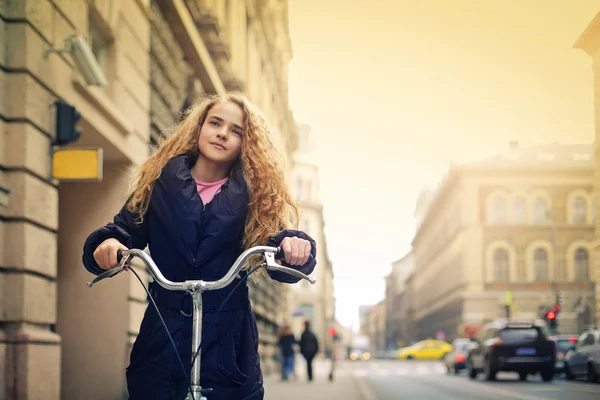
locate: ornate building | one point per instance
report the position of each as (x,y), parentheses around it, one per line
(396,332)
(589,41)
(157,56)
(312,302)
(523,221)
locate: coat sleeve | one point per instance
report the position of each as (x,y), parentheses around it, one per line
(124,228)
(307,268)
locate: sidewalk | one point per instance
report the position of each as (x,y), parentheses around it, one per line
(342,387)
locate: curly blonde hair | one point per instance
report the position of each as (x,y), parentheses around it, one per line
(271,206)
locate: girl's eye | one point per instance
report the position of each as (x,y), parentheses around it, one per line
(237,132)
(214,123)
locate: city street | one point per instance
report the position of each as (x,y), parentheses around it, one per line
(391,380)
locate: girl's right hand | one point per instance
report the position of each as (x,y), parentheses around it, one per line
(106,253)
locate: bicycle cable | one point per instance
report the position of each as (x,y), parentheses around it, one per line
(185,374)
(187,379)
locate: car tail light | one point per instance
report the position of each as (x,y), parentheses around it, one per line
(573,340)
(496,343)
(460,358)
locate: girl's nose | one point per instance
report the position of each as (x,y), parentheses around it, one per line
(222,133)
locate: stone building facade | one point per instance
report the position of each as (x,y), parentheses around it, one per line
(589,41)
(59,338)
(396,331)
(523,221)
(312,302)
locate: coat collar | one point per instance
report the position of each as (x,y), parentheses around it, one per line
(197,231)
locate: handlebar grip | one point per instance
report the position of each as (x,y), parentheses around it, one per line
(280,254)
(119,255)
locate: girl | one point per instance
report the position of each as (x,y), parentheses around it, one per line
(211,190)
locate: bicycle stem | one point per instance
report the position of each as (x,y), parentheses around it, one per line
(196,340)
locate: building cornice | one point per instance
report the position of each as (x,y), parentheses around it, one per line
(589,40)
(197,53)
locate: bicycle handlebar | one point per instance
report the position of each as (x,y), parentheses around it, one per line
(270,254)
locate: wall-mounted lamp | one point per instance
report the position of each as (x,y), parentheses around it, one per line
(84,58)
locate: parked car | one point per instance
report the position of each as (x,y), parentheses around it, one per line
(584,361)
(428,349)
(517,346)
(456,359)
(564,344)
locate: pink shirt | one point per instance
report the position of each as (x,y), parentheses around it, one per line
(208,190)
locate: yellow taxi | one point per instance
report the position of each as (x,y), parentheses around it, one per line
(429,349)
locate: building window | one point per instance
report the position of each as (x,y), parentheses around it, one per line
(519,210)
(546,156)
(579,210)
(498,211)
(581,157)
(540,265)
(100,45)
(582,261)
(540,210)
(501,265)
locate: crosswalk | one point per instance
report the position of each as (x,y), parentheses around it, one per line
(375,368)
(393,369)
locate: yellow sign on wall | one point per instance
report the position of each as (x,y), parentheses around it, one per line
(77,164)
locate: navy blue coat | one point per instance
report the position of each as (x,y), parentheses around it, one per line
(188,240)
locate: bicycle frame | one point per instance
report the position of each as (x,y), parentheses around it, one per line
(195,289)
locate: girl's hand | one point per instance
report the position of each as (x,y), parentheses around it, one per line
(106,253)
(296,251)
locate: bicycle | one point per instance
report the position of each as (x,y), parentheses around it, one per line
(195,289)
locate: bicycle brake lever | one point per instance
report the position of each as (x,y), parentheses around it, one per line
(106,274)
(273,266)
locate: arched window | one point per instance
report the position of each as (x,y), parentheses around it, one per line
(498,211)
(501,265)
(579,210)
(540,265)
(582,262)
(519,210)
(541,210)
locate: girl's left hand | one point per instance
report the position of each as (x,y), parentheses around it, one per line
(296,251)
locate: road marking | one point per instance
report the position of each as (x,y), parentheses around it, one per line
(365,390)
(584,389)
(507,393)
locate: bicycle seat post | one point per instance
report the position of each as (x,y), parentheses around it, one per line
(196,340)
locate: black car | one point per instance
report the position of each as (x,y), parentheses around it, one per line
(524,347)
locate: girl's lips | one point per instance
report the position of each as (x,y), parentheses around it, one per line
(218,146)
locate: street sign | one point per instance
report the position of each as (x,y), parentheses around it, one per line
(77,164)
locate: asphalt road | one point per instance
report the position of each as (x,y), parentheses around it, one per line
(393,379)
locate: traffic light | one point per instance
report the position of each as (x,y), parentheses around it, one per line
(331,331)
(67,117)
(551,319)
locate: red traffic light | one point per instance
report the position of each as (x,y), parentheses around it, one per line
(557,307)
(550,315)
(331,331)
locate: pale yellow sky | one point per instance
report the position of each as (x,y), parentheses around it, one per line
(396,89)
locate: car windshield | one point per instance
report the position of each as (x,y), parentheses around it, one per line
(565,344)
(511,335)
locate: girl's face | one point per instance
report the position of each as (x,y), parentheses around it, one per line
(221,134)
